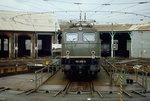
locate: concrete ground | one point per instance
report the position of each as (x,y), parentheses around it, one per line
(57,82)
(18,82)
(12,96)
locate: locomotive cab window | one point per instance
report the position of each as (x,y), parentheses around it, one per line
(89,36)
(71,36)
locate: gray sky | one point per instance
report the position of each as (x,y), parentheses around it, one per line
(103,11)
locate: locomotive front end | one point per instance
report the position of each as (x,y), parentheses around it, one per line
(80,52)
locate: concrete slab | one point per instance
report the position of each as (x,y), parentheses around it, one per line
(18,82)
(56,82)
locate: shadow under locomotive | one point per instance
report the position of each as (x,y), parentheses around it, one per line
(81,67)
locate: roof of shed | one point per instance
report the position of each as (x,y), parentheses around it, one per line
(28,21)
(116,27)
(142,27)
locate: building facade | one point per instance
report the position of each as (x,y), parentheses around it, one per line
(24,34)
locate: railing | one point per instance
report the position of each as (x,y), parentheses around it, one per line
(141,77)
(45,73)
(109,68)
(137,74)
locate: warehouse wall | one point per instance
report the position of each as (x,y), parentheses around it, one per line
(140,44)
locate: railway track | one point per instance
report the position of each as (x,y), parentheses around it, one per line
(79,87)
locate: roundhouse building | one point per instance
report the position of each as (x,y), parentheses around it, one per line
(26,34)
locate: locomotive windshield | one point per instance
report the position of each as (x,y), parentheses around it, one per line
(71,36)
(88,36)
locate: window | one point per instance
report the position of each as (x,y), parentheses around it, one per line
(72,37)
(5,44)
(39,42)
(28,44)
(88,36)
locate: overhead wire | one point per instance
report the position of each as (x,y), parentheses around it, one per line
(62,10)
(100,6)
(11,7)
(91,3)
(117,14)
(102,11)
(135,4)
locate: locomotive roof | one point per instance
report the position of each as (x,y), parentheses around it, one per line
(77,29)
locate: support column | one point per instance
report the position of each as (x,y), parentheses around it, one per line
(34,47)
(131,37)
(16,45)
(32,52)
(11,46)
(112,43)
(53,41)
(36,44)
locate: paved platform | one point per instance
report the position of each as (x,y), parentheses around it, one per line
(58,82)
(18,82)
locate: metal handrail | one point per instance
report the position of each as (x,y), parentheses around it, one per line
(141,80)
(109,68)
(112,70)
(45,73)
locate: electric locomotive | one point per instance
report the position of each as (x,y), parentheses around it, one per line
(80,50)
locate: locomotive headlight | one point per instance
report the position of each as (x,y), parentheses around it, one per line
(67,53)
(93,54)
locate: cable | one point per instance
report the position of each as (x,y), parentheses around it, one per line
(121,10)
(91,3)
(102,7)
(53,4)
(11,7)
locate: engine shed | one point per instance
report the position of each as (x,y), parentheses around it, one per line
(125,40)
(24,34)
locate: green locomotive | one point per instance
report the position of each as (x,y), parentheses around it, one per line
(80,51)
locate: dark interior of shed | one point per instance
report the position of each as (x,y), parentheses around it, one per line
(122,50)
(105,44)
(120,44)
(44,45)
(4,46)
(24,45)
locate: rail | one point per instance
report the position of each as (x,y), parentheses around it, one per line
(42,75)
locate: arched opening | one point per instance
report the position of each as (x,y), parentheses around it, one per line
(44,45)
(122,42)
(24,45)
